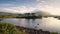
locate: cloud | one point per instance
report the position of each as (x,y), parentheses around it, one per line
(51,6)
(24,9)
(21,9)
(6,5)
(50,9)
(37,0)
(8,10)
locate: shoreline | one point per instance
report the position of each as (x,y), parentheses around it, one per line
(34,31)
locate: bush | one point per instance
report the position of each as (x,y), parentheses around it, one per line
(54,33)
(7,28)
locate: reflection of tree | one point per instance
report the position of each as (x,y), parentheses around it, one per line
(33,20)
(27,22)
(30,23)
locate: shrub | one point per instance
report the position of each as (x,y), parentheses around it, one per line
(7,28)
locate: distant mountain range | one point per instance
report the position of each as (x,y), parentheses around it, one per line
(38,12)
(3,12)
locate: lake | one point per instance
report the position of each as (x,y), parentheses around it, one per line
(48,24)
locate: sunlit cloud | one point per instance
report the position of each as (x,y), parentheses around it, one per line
(21,9)
(50,9)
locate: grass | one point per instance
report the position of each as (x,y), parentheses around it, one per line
(7,28)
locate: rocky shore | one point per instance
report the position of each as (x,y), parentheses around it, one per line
(33,31)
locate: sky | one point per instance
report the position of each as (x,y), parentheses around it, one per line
(25,6)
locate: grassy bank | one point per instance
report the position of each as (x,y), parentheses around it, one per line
(7,28)
(13,16)
(7,16)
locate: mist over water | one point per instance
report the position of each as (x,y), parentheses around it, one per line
(48,24)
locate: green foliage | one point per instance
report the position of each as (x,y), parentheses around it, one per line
(21,16)
(7,16)
(54,33)
(7,28)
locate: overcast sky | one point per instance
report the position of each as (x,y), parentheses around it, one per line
(23,6)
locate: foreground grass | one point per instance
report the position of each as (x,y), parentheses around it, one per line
(7,28)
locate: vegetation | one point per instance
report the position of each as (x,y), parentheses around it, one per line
(13,16)
(7,16)
(7,28)
(54,33)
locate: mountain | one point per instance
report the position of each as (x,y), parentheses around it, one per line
(5,13)
(43,13)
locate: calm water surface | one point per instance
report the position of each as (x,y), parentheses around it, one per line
(48,24)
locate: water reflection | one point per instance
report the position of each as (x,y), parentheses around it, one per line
(49,24)
(30,23)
